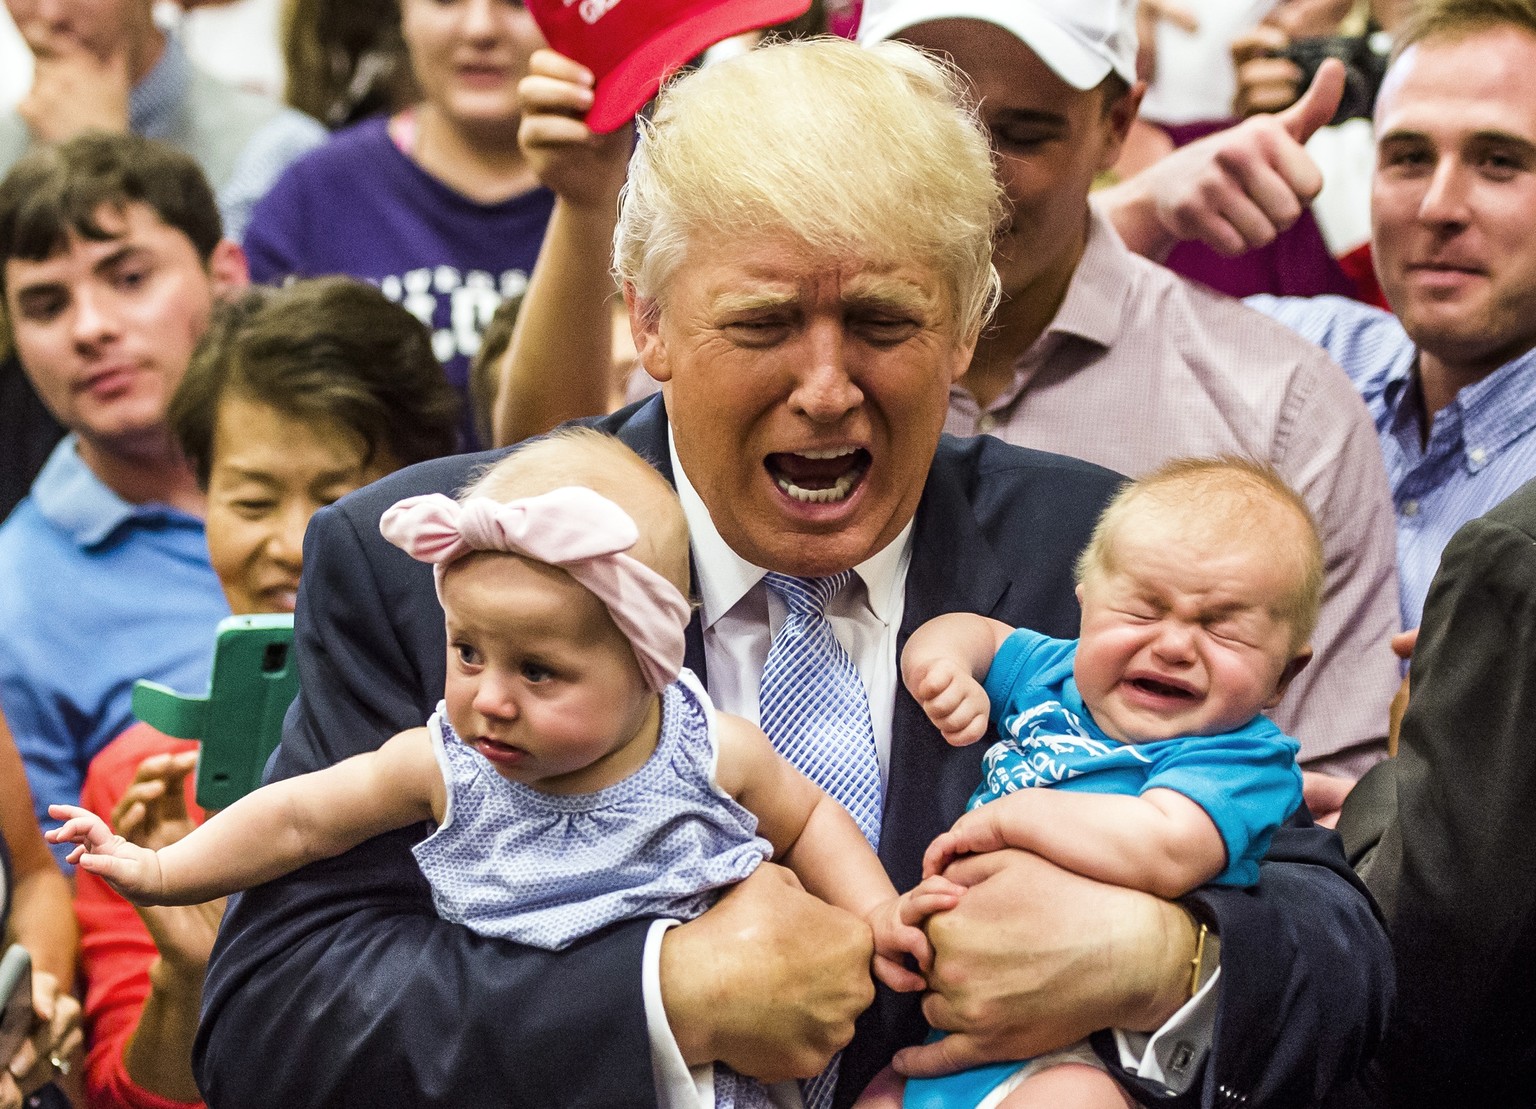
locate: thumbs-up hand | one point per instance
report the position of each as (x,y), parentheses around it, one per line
(1234,190)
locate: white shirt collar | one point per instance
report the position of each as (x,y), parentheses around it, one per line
(725,577)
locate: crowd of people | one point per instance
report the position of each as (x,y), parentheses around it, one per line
(908,459)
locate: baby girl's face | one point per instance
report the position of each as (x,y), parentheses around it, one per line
(1181,637)
(540,679)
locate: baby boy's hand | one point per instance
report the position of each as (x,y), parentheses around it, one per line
(953,699)
(897,928)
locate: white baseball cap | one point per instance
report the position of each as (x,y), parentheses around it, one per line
(1083,41)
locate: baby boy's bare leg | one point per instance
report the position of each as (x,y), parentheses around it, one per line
(883,1092)
(1068,1086)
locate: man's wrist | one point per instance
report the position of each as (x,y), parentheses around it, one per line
(683,983)
(1169,987)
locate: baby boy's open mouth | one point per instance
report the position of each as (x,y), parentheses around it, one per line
(818,476)
(1163,689)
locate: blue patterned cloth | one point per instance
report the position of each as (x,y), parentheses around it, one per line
(1480,447)
(547,869)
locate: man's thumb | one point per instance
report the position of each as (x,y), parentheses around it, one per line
(1318,103)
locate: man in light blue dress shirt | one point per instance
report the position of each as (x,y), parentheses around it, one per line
(1450,379)
(111,259)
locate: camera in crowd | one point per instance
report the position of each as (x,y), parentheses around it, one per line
(1365,64)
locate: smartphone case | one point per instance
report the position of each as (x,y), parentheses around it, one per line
(240,720)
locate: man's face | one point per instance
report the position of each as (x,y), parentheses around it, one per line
(1453,203)
(806,394)
(105,329)
(100,27)
(1049,140)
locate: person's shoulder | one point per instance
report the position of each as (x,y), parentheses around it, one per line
(987,467)
(344,155)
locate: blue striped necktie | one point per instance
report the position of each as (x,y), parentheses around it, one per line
(813,706)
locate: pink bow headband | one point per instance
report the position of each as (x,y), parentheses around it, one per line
(582,532)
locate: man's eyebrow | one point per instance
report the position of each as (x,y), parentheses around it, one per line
(757,300)
(122,254)
(1014,116)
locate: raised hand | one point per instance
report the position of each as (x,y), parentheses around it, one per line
(1234,190)
(580,167)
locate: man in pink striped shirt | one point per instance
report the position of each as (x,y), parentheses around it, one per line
(1095,352)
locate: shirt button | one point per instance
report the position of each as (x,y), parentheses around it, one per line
(1410,508)
(1477,454)
(986,423)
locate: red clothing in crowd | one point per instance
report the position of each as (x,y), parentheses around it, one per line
(115,948)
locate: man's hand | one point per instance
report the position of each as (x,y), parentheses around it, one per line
(73,90)
(1324,795)
(583,169)
(1234,190)
(769,981)
(1403,644)
(1035,957)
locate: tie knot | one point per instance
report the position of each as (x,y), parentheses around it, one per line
(806,596)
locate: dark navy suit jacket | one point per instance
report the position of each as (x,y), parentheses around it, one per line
(339,986)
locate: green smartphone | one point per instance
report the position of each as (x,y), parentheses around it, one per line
(240,720)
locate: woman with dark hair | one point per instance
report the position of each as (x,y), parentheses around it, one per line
(436,203)
(293,398)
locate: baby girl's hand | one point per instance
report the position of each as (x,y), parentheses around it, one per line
(896,925)
(953,699)
(131,870)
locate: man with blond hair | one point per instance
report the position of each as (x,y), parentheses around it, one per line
(805,249)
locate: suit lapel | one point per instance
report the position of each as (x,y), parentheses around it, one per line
(954,569)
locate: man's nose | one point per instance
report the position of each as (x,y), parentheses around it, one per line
(94,317)
(286,543)
(1445,200)
(825,390)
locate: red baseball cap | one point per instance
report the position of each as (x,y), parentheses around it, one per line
(631,45)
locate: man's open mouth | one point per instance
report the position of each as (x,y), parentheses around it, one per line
(819,476)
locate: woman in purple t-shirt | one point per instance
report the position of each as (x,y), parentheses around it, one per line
(436,204)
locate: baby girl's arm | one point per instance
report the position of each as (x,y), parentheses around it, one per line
(943,666)
(276,829)
(1161,842)
(816,838)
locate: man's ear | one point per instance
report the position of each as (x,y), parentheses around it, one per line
(227,269)
(645,329)
(1122,113)
(1288,675)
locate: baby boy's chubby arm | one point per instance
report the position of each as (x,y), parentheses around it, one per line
(1161,842)
(815,838)
(271,831)
(943,665)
